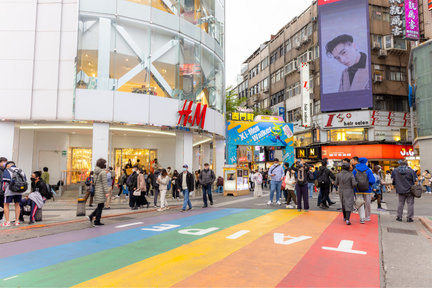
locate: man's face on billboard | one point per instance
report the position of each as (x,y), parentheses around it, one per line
(346,54)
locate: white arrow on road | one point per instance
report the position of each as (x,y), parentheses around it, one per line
(345,246)
(280,238)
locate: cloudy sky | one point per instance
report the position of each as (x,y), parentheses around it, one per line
(250,23)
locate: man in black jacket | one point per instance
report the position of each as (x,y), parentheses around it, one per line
(132,186)
(324,180)
(185,183)
(3,162)
(206,178)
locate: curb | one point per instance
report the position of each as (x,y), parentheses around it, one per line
(84,219)
(426,222)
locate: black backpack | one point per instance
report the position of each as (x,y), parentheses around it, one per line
(47,193)
(18,182)
(323,178)
(362,181)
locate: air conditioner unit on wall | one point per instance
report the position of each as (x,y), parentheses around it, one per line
(382,53)
(378,78)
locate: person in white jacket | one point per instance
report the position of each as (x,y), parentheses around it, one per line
(163,181)
(388,181)
(257,179)
(290,182)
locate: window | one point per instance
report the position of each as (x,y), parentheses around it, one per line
(287,45)
(297,88)
(309,30)
(399,43)
(265,84)
(380,13)
(395,73)
(377,40)
(278,76)
(264,63)
(316,52)
(277,98)
(311,82)
(273,78)
(281,50)
(273,57)
(342,135)
(291,66)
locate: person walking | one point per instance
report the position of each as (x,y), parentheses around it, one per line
(185,183)
(403,179)
(163,181)
(265,178)
(110,181)
(301,187)
(290,183)
(346,182)
(132,183)
(427,181)
(365,179)
(206,179)
(121,182)
(257,179)
(90,188)
(155,185)
(175,192)
(3,162)
(388,181)
(101,191)
(325,178)
(311,182)
(276,175)
(141,189)
(376,187)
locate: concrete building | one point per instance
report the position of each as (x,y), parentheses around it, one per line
(334,134)
(84,79)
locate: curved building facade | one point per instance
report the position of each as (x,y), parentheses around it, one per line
(107,78)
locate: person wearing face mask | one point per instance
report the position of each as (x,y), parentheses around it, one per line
(101,192)
(3,162)
(185,183)
(36,198)
(132,183)
(206,178)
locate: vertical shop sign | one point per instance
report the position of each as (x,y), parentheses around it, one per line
(305,92)
(411,20)
(396,17)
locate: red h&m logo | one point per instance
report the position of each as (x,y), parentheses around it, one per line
(323,2)
(198,118)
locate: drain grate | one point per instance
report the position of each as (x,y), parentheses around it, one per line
(401,231)
(123,218)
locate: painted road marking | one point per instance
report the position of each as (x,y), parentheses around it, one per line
(238,234)
(262,263)
(340,269)
(198,232)
(9,278)
(161,227)
(128,225)
(182,262)
(81,269)
(346,247)
(53,255)
(279,238)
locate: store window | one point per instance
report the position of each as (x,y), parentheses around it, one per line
(303,139)
(79,164)
(125,156)
(346,135)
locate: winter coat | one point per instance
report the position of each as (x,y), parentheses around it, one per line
(403,178)
(388,179)
(189,181)
(290,182)
(207,177)
(346,182)
(141,184)
(328,175)
(220,181)
(133,182)
(427,179)
(361,166)
(101,187)
(163,182)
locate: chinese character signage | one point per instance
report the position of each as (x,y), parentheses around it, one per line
(345,76)
(242,116)
(194,118)
(411,20)
(397,17)
(306,109)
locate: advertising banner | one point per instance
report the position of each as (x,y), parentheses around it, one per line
(411,20)
(264,133)
(430,4)
(305,95)
(372,152)
(345,55)
(345,120)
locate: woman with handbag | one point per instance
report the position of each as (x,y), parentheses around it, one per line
(139,193)
(163,180)
(427,181)
(290,183)
(346,183)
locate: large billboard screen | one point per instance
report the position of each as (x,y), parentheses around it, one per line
(346,80)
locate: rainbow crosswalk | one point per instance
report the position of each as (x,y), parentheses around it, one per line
(203,248)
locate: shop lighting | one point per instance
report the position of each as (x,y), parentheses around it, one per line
(38,127)
(202,142)
(142,131)
(355,132)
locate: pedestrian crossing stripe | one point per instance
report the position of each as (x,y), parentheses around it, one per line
(227,247)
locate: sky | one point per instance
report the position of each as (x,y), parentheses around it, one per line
(250,23)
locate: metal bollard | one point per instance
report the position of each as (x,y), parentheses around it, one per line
(81,209)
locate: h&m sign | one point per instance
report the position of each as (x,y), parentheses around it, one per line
(192,114)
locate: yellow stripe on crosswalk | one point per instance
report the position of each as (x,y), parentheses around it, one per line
(168,268)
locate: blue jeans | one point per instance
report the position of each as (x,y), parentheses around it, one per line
(220,189)
(275,186)
(186,200)
(311,189)
(207,191)
(428,188)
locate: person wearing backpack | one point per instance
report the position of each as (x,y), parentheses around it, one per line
(365,179)
(403,179)
(301,170)
(14,184)
(36,198)
(325,176)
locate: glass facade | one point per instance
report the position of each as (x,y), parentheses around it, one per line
(141,56)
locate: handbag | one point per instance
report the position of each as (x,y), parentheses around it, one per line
(283,183)
(359,202)
(137,192)
(416,190)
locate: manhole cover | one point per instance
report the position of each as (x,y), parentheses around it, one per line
(402,231)
(123,218)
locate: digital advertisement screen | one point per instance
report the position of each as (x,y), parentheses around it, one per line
(346,81)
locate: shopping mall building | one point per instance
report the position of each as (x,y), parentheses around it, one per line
(84,79)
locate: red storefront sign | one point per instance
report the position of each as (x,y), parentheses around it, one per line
(373,151)
(323,2)
(198,118)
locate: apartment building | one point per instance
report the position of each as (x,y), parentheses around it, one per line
(298,42)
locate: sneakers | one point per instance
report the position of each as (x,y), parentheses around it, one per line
(6,224)
(211,202)
(182,210)
(278,203)
(322,206)
(362,221)
(98,224)
(31,222)
(289,207)
(348,222)
(269,203)
(399,219)
(367,219)
(160,209)
(205,206)
(17,223)
(410,220)
(91,220)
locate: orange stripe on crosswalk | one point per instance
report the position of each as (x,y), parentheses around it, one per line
(263,263)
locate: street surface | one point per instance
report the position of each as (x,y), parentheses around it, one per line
(239,242)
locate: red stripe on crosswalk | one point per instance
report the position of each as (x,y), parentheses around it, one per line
(329,268)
